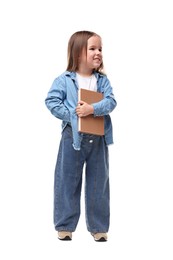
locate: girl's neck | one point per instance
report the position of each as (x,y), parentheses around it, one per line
(85,73)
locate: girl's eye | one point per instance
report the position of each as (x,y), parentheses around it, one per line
(92,49)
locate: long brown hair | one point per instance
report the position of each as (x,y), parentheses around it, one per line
(77,43)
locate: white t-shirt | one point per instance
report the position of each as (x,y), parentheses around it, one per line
(89,83)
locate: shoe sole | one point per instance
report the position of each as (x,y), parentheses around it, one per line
(67,238)
(102,239)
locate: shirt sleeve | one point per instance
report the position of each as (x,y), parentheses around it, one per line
(107,105)
(55,100)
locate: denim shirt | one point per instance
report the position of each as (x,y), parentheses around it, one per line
(62,100)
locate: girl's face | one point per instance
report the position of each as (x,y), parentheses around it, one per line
(93,59)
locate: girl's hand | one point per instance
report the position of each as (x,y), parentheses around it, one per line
(84,109)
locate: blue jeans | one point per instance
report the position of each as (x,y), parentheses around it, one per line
(68,183)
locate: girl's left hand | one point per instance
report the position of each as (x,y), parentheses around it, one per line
(84,109)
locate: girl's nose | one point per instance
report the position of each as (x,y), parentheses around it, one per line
(98,51)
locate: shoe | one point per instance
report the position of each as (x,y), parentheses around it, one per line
(64,235)
(100,237)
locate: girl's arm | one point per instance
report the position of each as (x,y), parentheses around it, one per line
(107,105)
(55,100)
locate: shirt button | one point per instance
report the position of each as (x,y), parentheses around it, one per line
(91,141)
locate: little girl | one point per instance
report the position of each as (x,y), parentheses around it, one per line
(84,70)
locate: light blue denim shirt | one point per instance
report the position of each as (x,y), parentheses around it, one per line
(62,100)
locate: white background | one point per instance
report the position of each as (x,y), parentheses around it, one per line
(138,57)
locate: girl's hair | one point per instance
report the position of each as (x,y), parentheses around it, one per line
(77,43)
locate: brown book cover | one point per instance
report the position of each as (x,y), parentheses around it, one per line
(90,124)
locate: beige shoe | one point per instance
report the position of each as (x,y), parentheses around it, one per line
(100,237)
(64,235)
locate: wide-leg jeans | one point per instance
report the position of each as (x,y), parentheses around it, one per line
(68,183)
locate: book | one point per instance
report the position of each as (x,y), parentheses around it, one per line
(90,124)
